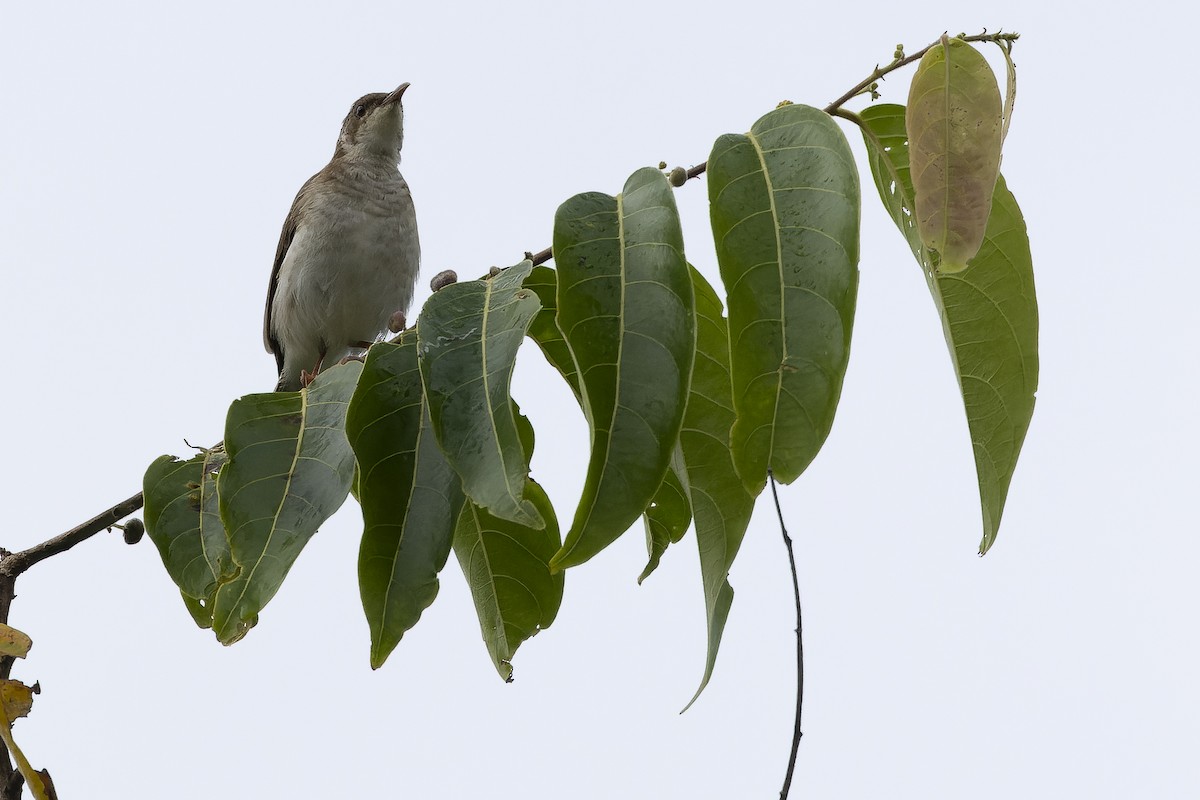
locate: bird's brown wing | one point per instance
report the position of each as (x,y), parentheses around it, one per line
(285,241)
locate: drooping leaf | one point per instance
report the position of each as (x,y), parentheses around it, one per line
(468,336)
(784,201)
(289,469)
(625,310)
(183,521)
(507,566)
(989,315)
(955,130)
(13,642)
(544,328)
(720,501)
(667,518)
(38,781)
(410,496)
(669,514)
(201,610)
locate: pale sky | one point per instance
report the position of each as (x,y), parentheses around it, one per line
(147,159)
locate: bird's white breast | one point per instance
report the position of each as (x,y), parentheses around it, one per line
(352,263)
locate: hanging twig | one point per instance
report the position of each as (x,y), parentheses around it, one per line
(796,732)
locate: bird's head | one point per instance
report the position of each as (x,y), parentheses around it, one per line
(374,127)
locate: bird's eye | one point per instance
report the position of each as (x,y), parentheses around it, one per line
(360,111)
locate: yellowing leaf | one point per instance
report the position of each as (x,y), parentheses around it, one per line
(955,130)
(17,699)
(38,782)
(13,642)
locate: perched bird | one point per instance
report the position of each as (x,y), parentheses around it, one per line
(348,255)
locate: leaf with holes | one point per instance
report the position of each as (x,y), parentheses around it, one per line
(625,310)
(989,315)
(955,124)
(410,496)
(467,340)
(507,566)
(289,469)
(784,201)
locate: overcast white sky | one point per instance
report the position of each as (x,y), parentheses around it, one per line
(147,159)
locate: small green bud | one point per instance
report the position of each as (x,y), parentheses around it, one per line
(678,177)
(662,165)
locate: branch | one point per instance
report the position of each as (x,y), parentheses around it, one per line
(796,733)
(13,564)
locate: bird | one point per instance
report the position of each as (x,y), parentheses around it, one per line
(348,256)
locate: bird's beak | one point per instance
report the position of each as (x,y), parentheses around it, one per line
(395,96)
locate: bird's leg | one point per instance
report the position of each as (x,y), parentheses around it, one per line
(307,377)
(352,357)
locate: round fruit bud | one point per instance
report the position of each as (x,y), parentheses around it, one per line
(494,271)
(397,322)
(443,279)
(134,530)
(678,177)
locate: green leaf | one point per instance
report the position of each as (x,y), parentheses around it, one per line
(989,315)
(468,335)
(507,566)
(625,309)
(410,496)
(667,519)
(289,469)
(784,201)
(669,514)
(955,130)
(201,610)
(720,501)
(544,328)
(183,521)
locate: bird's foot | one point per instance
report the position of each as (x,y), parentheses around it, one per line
(348,359)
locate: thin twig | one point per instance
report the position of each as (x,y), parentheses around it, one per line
(14,564)
(796,733)
(1003,39)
